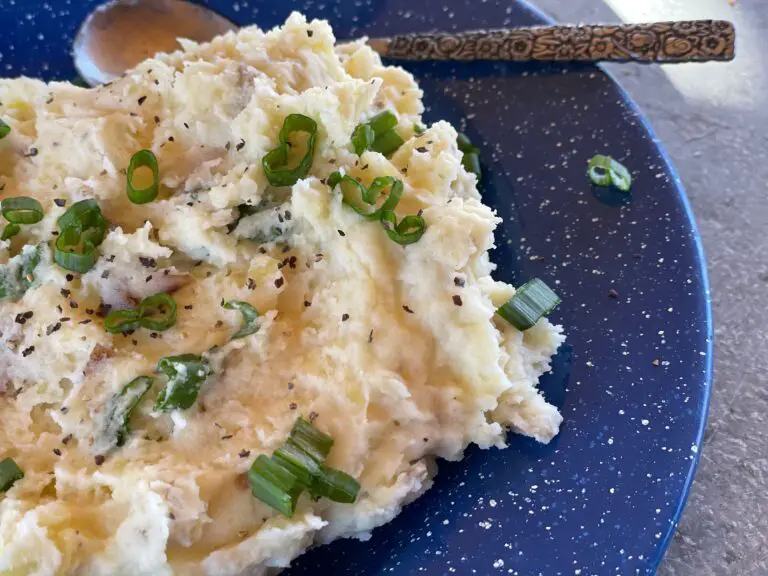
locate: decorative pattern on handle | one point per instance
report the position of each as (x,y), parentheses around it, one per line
(663,42)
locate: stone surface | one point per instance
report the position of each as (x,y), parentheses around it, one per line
(716,130)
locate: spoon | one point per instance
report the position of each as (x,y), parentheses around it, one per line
(118,35)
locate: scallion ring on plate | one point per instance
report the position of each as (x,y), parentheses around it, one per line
(605,171)
(4,129)
(531,302)
(10,231)
(22,210)
(122,321)
(157,312)
(409,230)
(74,252)
(279,167)
(250,318)
(143,158)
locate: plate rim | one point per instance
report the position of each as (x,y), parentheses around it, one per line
(701,261)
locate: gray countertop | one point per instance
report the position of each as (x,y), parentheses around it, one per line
(713,119)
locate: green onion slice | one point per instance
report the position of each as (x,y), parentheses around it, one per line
(471,163)
(186,374)
(22,210)
(364,200)
(418,129)
(362,138)
(157,312)
(250,318)
(409,230)
(87,215)
(278,167)
(121,321)
(9,474)
(605,171)
(143,158)
(464,144)
(335,485)
(302,465)
(74,251)
(387,143)
(274,485)
(115,427)
(297,466)
(532,301)
(4,129)
(383,122)
(10,231)
(378,135)
(378,190)
(311,440)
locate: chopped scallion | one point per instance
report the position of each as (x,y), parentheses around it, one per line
(9,474)
(297,466)
(378,134)
(4,129)
(362,138)
(471,163)
(409,230)
(470,158)
(86,214)
(293,458)
(250,318)
(531,302)
(274,485)
(276,161)
(314,442)
(605,171)
(186,374)
(157,312)
(73,252)
(122,321)
(364,200)
(10,231)
(387,143)
(115,423)
(143,158)
(383,122)
(335,485)
(22,210)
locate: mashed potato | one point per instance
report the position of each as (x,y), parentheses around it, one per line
(394,351)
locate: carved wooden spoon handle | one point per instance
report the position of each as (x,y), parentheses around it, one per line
(662,42)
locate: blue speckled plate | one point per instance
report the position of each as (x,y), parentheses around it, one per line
(633,383)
